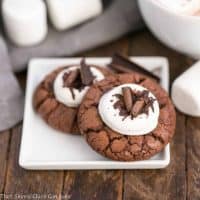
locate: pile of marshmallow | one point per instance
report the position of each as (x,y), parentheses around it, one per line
(25,21)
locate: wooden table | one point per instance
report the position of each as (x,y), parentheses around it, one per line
(180,180)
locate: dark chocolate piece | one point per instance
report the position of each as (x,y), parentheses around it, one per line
(128,100)
(119,68)
(124,65)
(137,108)
(86,74)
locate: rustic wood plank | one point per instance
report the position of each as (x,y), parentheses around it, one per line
(23,182)
(5,137)
(4,148)
(169,183)
(97,184)
(193,158)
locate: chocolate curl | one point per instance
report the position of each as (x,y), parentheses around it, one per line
(72,93)
(128,100)
(137,108)
(86,74)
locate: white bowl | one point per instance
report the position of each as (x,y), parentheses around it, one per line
(180,32)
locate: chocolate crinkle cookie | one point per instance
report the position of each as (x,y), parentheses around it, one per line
(58,96)
(127,117)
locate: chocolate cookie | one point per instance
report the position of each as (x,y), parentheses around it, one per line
(126,147)
(56,113)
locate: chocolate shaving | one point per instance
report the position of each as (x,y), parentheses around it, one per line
(133,103)
(72,93)
(86,74)
(122,64)
(121,106)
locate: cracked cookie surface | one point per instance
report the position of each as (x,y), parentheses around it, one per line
(120,147)
(54,113)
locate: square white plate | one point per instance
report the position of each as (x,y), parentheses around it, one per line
(45,148)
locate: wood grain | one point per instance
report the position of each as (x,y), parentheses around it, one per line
(98,185)
(193,158)
(23,182)
(4,148)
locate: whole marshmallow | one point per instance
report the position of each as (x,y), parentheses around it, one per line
(187,7)
(140,125)
(186,91)
(64,94)
(25,21)
(67,13)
